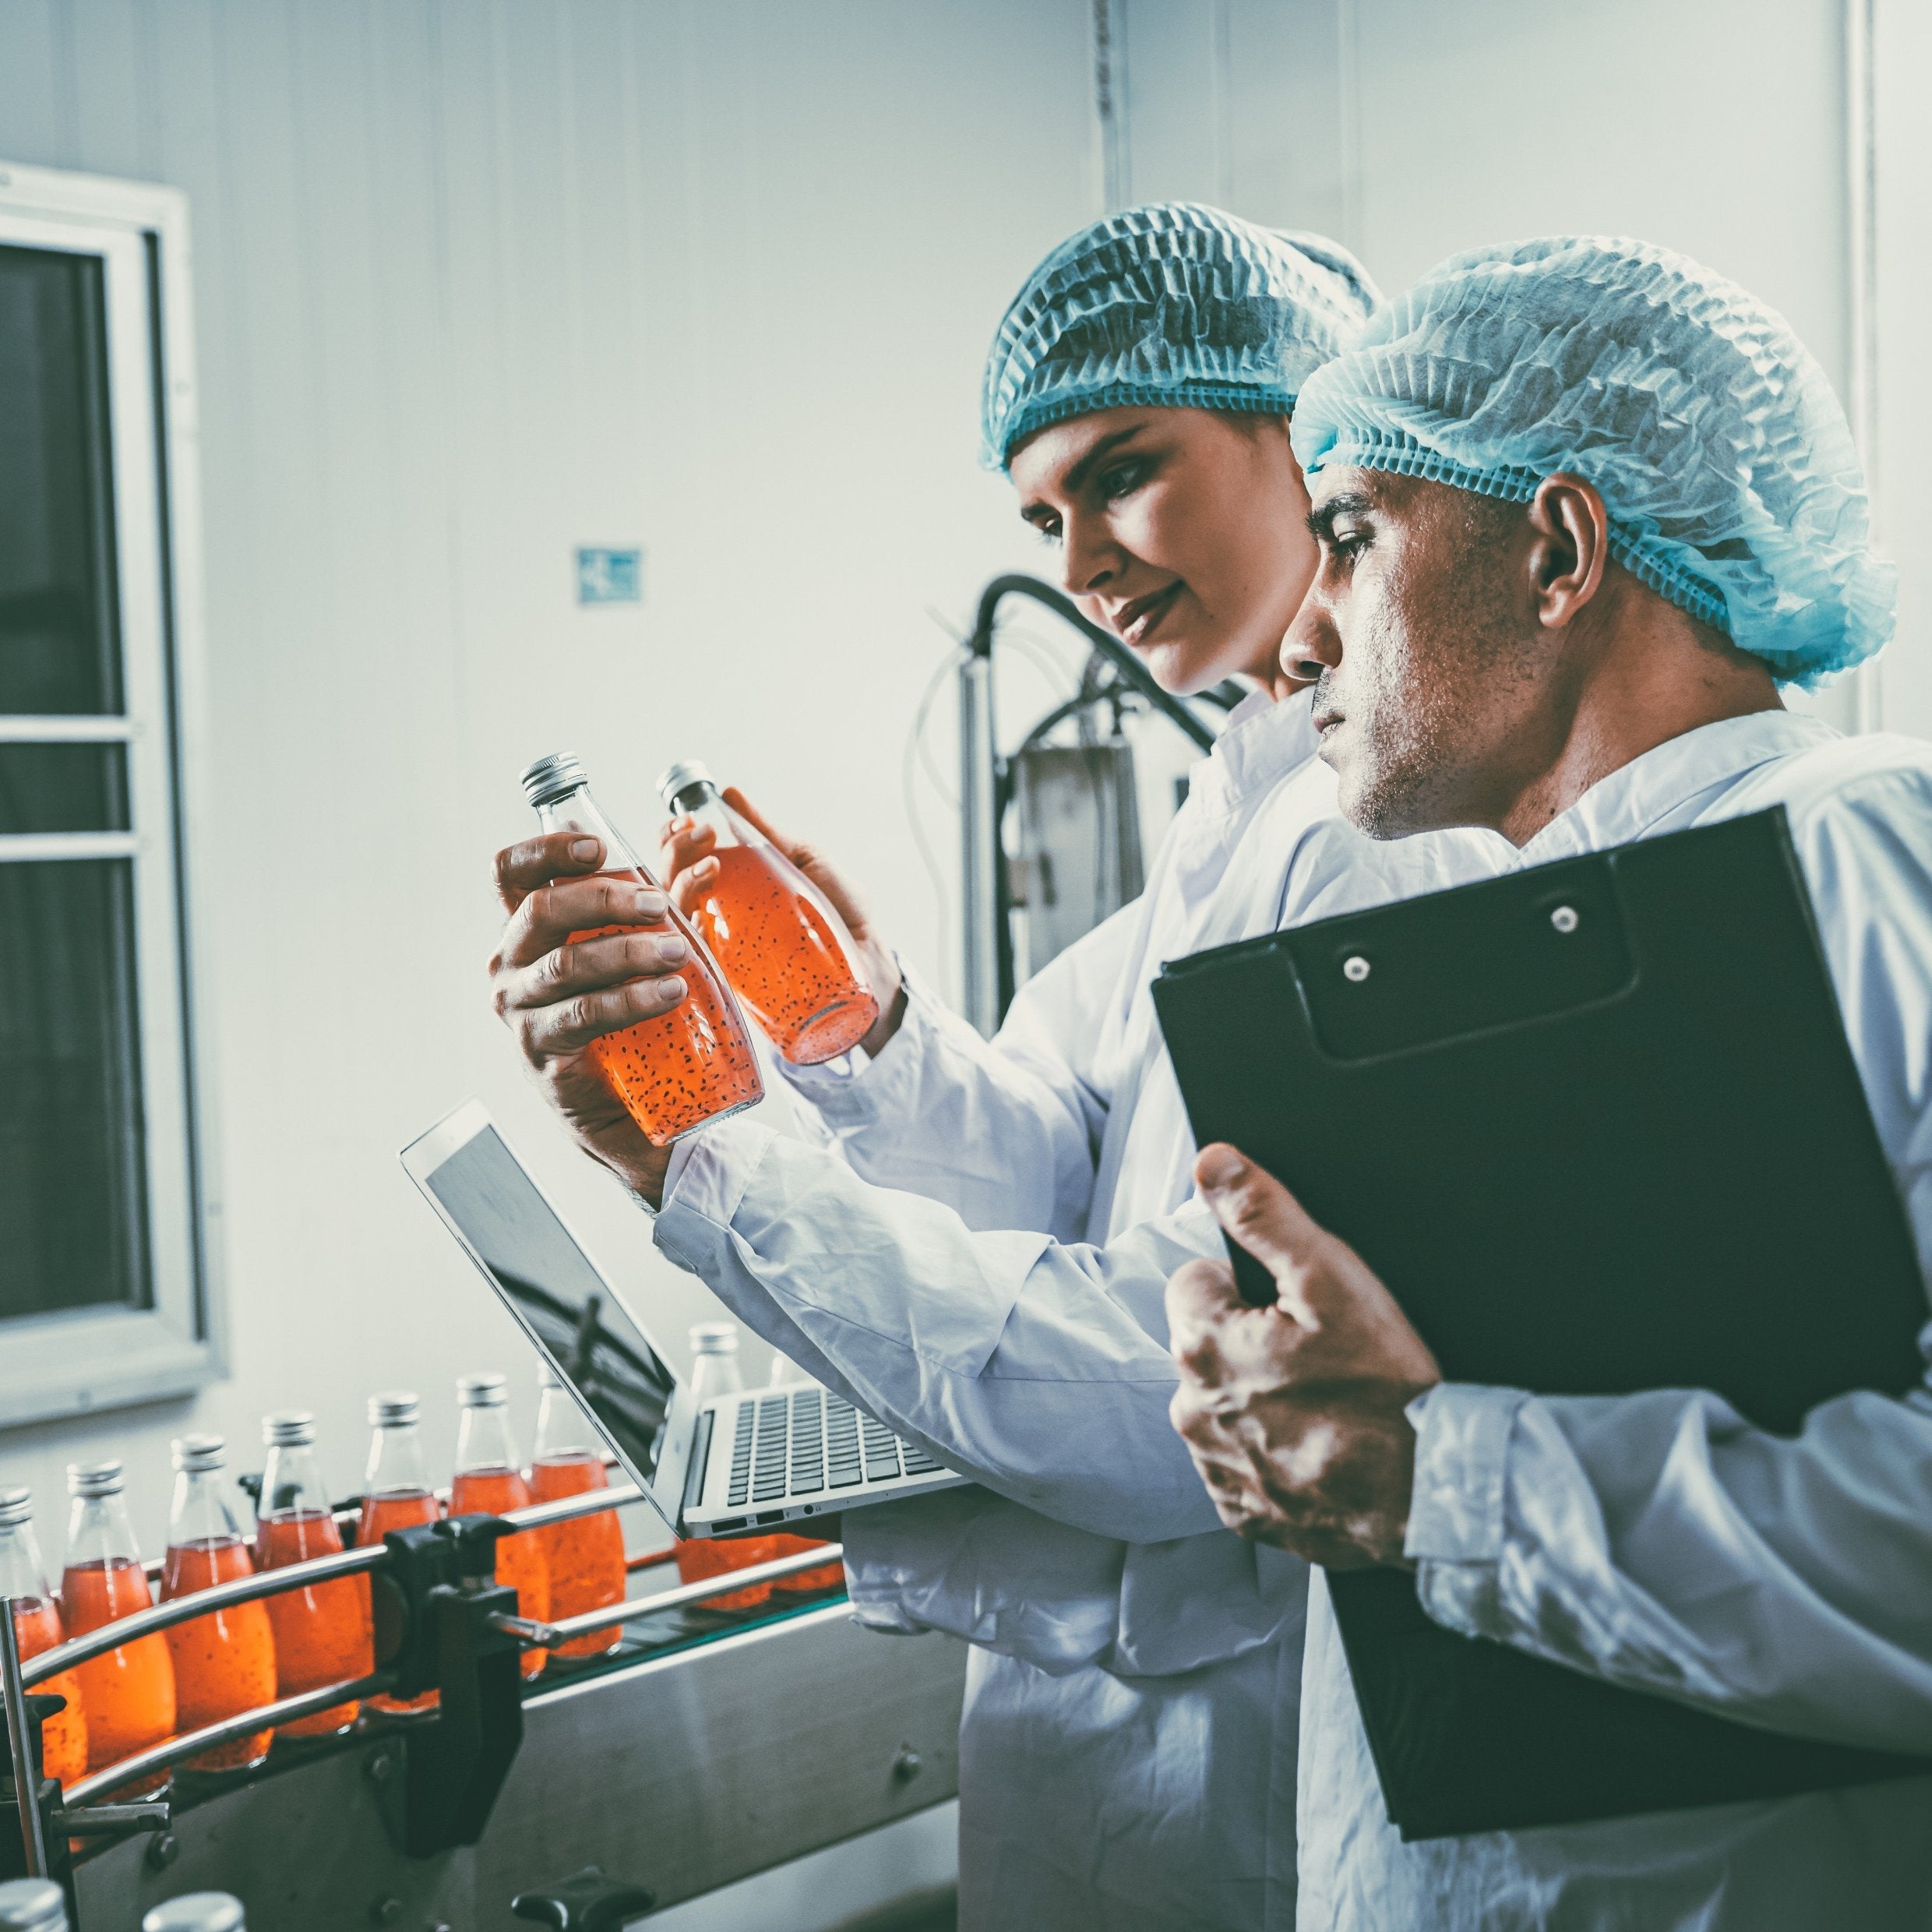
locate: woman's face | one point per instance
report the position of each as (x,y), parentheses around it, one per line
(1183,531)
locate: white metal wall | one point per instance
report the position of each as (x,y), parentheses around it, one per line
(477,282)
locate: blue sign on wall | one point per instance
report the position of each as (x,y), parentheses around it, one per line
(610,576)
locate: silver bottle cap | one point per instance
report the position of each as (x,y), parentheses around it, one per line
(678,777)
(94,1478)
(16,1506)
(487,1391)
(714,1337)
(194,1455)
(197,1912)
(552,778)
(393,1408)
(289,1429)
(33,1905)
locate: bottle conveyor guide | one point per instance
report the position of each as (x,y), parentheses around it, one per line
(710,1745)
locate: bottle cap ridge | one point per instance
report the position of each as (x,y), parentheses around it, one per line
(196,1455)
(288,1428)
(714,1337)
(678,778)
(394,1407)
(16,1506)
(197,1912)
(552,777)
(33,1905)
(487,1391)
(94,1478)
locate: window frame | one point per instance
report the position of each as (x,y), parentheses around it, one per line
(78,1361)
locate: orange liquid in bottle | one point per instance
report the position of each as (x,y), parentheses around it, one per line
(586,1555)
(520,1561)
(824,1576)
(783,959)
(397,1510)
(687,1066)
(702,1556)
(128,1694)
(224,1662)
(322,1632)
(37,1625)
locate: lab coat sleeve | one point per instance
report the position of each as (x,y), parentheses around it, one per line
(1002,1130)
(1038,1368)
(1660,1541)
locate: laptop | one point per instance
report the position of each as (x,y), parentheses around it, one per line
(730,1465)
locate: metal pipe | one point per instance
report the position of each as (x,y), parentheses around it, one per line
(190,1744)
(979,842)
(26,1780)
(294,1576)
(549,1635)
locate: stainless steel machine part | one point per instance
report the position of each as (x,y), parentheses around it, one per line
(680,1772)
(1077,817)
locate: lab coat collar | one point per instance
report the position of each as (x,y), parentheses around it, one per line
(1635,800)
(1261,740)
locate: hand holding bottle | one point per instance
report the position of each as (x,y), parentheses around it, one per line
(559,997)
(695,871)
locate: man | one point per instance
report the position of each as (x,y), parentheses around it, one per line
(1582,506)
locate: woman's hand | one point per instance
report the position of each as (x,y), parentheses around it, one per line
(694,871)
(558,997)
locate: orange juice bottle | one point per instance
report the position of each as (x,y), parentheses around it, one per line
(692,1064)
(782,945)
(714,1371)
(128,1692)
(586,1555)
(36,1627)
(396,1493)
(824,1576)
(322,1631)
(488,1482)
(224,1662)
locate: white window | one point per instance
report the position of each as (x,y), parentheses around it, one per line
(105,1291)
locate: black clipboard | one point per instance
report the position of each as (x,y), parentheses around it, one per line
(1598,1126)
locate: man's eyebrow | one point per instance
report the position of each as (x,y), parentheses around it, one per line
(1321,521)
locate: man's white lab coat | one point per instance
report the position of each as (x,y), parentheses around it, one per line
(1660,1541)
(1127,1752)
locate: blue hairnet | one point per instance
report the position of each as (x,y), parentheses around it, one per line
(1173,304)
(1721,455)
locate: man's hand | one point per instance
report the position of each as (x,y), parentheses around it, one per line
(1293,1414)
(694,871)
(557,997)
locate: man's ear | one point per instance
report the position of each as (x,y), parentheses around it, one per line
(1569,548)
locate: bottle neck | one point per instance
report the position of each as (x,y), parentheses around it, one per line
(199,1515)
(578,812)
(292,1481)
(716,1375)
(562,1434)
(699,802)
(396,1462)
(483,1440)
(98,1530)
(20,1571)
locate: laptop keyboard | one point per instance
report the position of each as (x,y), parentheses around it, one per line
(810,1442)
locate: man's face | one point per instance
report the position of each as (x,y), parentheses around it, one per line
(1420,623)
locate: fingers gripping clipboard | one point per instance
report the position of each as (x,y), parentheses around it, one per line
(1598,1126)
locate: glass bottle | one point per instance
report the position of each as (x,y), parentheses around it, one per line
(33,1905)
(692,1064)
(780,943)
(324,1631)
(197,1912)
(586,1555)
(396,1493)
(715,1371)
(128,1692)
(224,1662)
(786,1374)
(36,1627)
(488,1482)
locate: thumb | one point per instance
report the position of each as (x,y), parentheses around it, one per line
(1256,1210)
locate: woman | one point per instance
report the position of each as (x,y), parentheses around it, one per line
(1121,1759)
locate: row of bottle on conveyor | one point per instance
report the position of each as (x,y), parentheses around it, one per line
(38,1904)
(248,1654)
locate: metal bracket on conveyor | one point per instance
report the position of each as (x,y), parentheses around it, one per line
(435,1601)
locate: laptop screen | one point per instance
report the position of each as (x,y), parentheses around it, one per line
(550,1282)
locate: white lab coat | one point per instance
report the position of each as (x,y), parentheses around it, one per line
(1126,1758)
(1658,1540)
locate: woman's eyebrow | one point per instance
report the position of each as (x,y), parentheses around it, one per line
(1104,448)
